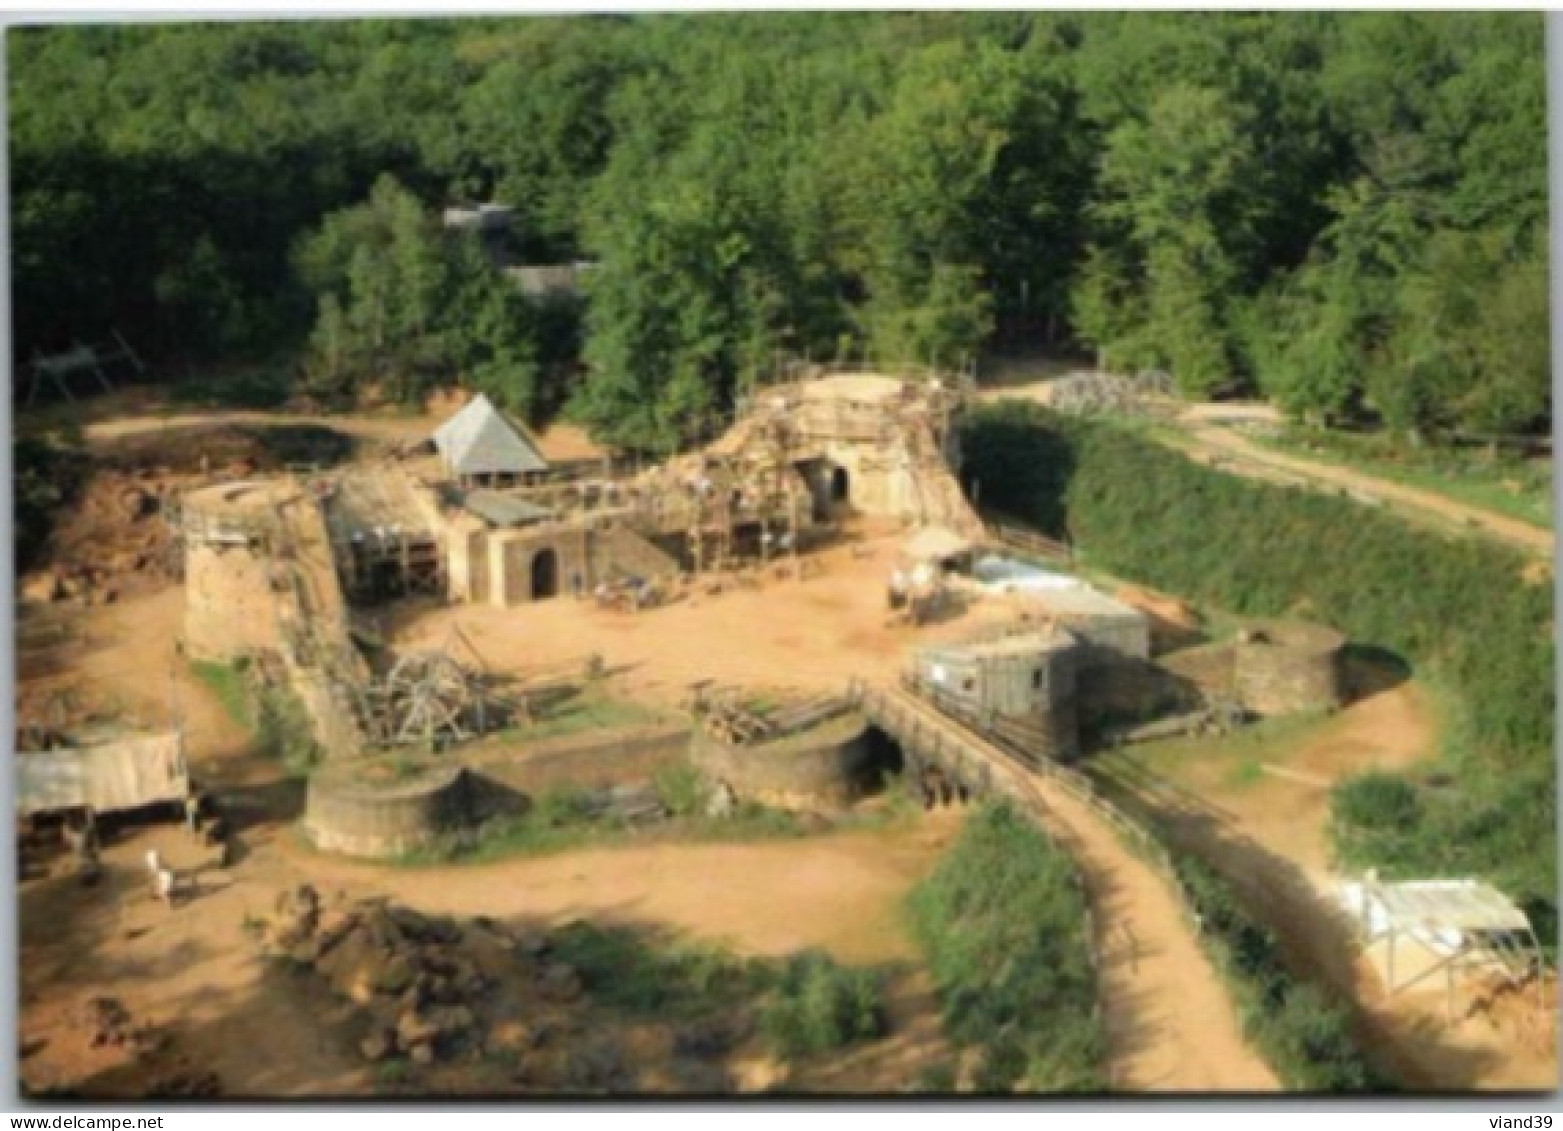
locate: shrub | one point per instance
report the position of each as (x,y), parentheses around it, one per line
(682,789)
(625,970)
(818,1006)
(1306,1038)
(560,806)
(1002,924)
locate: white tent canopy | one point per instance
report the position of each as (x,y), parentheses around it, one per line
(478,440)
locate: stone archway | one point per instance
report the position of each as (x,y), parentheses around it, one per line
(545,574)
(840,485)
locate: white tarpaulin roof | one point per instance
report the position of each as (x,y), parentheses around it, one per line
(1436,908)
(478,440)
(125,774)
(1006,575)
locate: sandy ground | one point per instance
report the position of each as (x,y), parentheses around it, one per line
(559,441)
(813,634)
(1204,437)
(1268,837)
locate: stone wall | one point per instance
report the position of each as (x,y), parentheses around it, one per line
(598,758)
(825,768)
(1285,669)
(1209,667)
(384,821)
(230,609)
(1129,689)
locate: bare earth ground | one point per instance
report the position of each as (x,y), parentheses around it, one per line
(813,634)
(559,441)
(835,892)
(1205,439)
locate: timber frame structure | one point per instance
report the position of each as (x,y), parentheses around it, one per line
(1465,925)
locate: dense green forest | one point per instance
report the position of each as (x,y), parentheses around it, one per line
(1344,212)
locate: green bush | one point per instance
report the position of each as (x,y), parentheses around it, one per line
(559,807)
(275,717)
(818,1006)
(1002,924)
(625,969)
(1305,1037)
(1457,608)
(283,730)
(682,789)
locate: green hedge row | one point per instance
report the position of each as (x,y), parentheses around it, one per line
(1002,924)
(1459,610)
(1305,1036)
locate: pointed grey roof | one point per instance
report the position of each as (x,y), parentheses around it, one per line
(478,440)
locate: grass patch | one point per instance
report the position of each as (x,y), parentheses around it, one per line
(279,725)
(808,1004)
(1237,756)
(230,683)
(1002,923)
(1250,771)
(625,970)
(587,710)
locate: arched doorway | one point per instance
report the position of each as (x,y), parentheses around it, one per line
(545,574)
(840,485)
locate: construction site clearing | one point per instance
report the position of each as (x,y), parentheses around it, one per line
(794,611)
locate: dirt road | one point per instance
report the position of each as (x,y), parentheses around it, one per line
(1223,442)
(1171,1025)
(559,441)
(1202,436)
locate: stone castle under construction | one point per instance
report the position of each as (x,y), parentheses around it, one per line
(476,515)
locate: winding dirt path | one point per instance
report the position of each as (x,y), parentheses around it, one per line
(559,441)
(1225,442)
(1171,1025)
(1203,437)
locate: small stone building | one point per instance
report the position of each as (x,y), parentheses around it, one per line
(1024,683)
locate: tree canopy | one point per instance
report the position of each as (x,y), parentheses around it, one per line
(1343,212)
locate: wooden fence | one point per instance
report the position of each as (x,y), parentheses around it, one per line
(1010,769)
